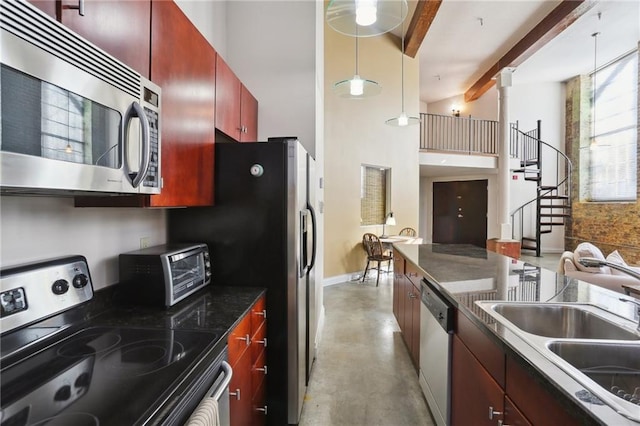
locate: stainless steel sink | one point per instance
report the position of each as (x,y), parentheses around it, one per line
(562,321)
(598,349)
(614,367)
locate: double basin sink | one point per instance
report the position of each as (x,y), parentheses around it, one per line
(598,349)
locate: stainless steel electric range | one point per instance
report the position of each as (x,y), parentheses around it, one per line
(61,366)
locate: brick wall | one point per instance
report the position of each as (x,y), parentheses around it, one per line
(609,226)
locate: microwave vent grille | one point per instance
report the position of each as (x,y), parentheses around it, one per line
(29,23)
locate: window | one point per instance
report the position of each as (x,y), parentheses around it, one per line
(374,194)
(612,170)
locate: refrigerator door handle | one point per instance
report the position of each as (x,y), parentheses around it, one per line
(313,236)
(303,243)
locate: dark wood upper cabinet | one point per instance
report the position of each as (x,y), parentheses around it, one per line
(248,116)
(184,65)
(121,28)
(236,108)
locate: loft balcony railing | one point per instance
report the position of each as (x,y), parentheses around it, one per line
(461,135)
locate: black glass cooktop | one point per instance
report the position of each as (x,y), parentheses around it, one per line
(99,376)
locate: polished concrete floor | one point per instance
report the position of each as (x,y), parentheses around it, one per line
(363,374)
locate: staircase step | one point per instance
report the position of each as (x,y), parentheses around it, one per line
(545,231)
(528,248)
(534,179)
(551,223)
(554,206)
(530,162)
(528,239)
(546,188)
(525,170)
(554,215)
(554,197)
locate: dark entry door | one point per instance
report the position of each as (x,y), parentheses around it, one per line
(460,212)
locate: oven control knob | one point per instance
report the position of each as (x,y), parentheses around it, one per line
(80,280)
(60,287)
(63,393)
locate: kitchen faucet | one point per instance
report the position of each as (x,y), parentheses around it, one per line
(591,261)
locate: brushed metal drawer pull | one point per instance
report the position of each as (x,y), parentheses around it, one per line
(262,342)
(262,409)
(492,413)
(262,369)
(246,339)
(236,394)
(79,7)
(262,313)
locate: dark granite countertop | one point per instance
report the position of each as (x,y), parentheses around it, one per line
(465,274)
(216,309)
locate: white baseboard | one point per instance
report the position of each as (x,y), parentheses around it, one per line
(339,279)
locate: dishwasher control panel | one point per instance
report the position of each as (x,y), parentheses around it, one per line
(441,309)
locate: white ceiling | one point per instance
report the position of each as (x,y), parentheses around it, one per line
(467,37)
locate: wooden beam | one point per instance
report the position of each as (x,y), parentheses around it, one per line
(565,14)
(420,22)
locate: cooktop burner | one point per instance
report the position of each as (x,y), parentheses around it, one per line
(99,375)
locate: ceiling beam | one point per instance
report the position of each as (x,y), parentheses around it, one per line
(565,14)
(420,22)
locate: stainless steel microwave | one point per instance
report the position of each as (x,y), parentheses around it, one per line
(73,118)
(164,275)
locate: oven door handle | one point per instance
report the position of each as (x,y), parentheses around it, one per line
(228,373)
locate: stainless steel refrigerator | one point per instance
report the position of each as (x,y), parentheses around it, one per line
(262,233)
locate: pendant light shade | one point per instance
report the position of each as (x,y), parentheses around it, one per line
(356,87)
(403,119)
(365,18)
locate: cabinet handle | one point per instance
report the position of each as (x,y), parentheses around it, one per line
(79,7)
(236,394)
(262,342)
(262,313)
(501,423)
(262,409)
(492,413)
(412,296)
(262,369)
(246,339)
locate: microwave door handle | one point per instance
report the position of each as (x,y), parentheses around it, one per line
(135,110)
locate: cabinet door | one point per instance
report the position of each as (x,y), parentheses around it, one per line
(248,116)
(183,64)
(240,389)
(473,390)
(398,276)
(415,326)
(513,416)
(535,402)
(407,295)
(121,28)
(228,89)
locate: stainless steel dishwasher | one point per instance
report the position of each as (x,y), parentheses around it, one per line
(436,334)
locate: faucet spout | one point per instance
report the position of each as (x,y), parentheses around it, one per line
(590,261)
(637,308)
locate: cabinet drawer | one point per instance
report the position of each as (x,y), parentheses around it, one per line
(259,405)
(258,343)
(414,275)
(258,372)
(258,314)
(485,350)
(239,340)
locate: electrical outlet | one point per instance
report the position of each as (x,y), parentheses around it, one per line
(144,242)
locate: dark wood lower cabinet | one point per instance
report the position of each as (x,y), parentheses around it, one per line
(240,387)
(406,308)
(473,391)
(489,386)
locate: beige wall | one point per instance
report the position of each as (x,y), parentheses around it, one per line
(355,134)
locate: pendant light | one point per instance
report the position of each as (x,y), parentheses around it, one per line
(403,119)
(365,18)
(357,87)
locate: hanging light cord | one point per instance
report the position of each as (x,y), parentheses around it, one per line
(595,71)
(402,65)
(357,73)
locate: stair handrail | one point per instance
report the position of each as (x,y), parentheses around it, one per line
(566,181)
